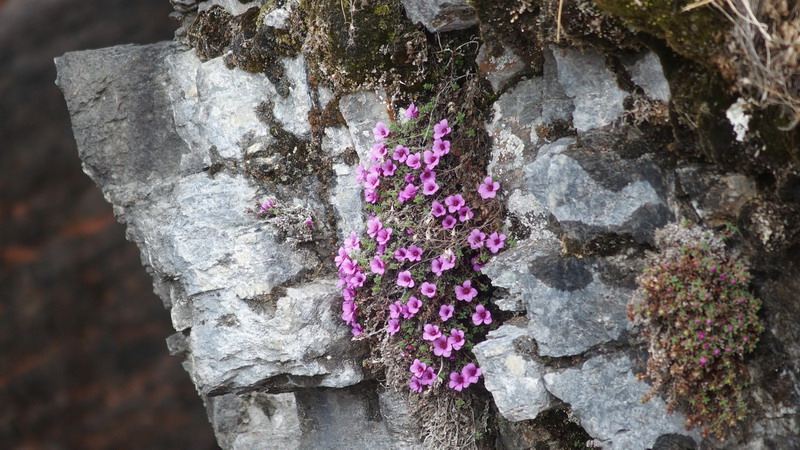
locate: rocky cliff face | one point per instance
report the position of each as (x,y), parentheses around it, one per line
(580,140)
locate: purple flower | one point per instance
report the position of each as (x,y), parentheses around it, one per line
(471,372)
(408,193)
(437,209)
(430,188)
(466,292)
(448,222)
(348,293)
(411,112)
(341,257)
(481,316)
(476,238)
(431,332)
(413,305)
(489,188)
(496,242)
(404,279)
(441,347)
(446,312)
(454,202)
(309,223)
(360,174)
(401,254)
(267,205)
(357,330)
(703,361)
(476,265)
(456,338)
(348,267)
(392,326)
(428,289)
(395,309)
(371,181)
(436,267)
(440,130)
(427,377)
(389,168)
(457,381)
(464,214)
(415,385)
(370,196)
(349,309)
(441,147)
(400,153)
(418,368)
(413,161)
(373,226)
(377,266)
(431,159)
(410,178)
(352,242)
(414,253)
(406,313)
(356,280)
(378,151)
(383,235)
(381,131)
(427,175)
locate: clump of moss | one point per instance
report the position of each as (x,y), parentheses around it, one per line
(701,320)
(210,33)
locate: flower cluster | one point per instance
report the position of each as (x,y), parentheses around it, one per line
(413,277)
(701,320)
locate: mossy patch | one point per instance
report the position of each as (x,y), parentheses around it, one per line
(210,33)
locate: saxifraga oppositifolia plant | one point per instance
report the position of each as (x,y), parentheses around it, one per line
(701,319)
(411,282)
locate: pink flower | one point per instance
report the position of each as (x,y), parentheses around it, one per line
(404,279)
(395,309)
(267,205)
(436,267)
(427,175)
(489,188)
(431,159)
(457,381)
(377,266)
(401,254)
(430,188)
(352,242)
(348,267)
(392,326)
(389,168)
(448,222)
(413,305)
(466,292)
(476,265)
(471,372)
(356,280)
(381,131)
(418,368)
(348,293)
(440,130)
(410,178)
(341,257)
(349,309)
(496,242)
(428,289)
(357,330)
(413,161)
(446,312)
(703,361)
(371,181)
(373,226)
(456,339)
(454,202)
(448,259)
(430,332)
(441,147)
(406,313)
(408,193)
(476,238)
(378,151)
(411,112)
(481,316)
(360,174)
(415,385)
(437,210)
(414,253)
(441,347)
(464,214)
(383,235)
(427,377)
(370,196)
(400,153)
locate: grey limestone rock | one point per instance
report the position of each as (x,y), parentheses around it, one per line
(513,376)
(646,71)
(441,15)
(401,424)
(255,421)
(499,64)
(593,88)
(605,396)
(233,282)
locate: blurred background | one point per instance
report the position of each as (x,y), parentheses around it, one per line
(83,361)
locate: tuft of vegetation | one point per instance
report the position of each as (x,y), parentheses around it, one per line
(701,320)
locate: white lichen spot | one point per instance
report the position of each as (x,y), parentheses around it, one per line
(738,115)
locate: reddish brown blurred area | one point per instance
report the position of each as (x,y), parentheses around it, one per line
(83,362)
